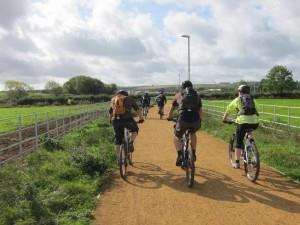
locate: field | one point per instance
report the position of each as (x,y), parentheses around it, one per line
(280,111)
(9,117)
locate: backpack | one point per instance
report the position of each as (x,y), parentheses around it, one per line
(118,105)
(190,99)
(248,105)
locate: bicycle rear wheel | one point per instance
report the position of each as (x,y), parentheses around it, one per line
(231,150)
(190,168)
(252,162)
(122,161)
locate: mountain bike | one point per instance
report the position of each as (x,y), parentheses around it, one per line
(125,155)
(249,155)
(188,162)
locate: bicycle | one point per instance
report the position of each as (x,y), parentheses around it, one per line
(249,155)
(188,162)
(125,154)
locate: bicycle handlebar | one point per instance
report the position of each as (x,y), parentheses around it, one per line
(228,121)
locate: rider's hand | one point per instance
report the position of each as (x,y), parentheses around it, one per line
(170,119)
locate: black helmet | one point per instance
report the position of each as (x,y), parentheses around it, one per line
(186,84)
(122,92)
(146,94)
(244,89)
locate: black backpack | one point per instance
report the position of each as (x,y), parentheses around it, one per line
(190,99)
(248,105)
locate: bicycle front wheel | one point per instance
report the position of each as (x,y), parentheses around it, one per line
(122,161)
(252,162)
(190,169)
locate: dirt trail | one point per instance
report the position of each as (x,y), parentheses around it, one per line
(155,192)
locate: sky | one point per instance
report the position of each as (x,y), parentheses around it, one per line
(138,42)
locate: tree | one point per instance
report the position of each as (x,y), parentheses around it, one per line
(16,90)
(110,88)
(53,87)
(83,85)
(278,80)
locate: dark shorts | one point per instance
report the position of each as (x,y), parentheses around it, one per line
(182,126)
(119,125)
(241,130)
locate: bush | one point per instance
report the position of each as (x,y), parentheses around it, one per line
(63,99)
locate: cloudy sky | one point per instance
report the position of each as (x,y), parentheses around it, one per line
(134,42)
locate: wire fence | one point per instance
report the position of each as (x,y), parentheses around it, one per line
(42,126)
(272,116)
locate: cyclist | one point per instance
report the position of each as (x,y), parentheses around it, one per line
(247,118)
(146,101)
(120,116)
(161,100)
(190,110)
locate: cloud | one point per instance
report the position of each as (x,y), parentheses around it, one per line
(11,11)
(230,40)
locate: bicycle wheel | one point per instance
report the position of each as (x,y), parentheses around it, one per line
(231,150)
(190,168)
(251,162)
(122,161)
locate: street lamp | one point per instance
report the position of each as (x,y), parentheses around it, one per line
(189,70)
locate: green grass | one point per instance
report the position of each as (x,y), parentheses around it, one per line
(271,106)
(279,150)
(59,184)
(9,116)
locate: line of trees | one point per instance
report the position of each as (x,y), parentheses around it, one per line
(79,85)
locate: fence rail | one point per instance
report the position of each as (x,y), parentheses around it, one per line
(273,116)
(27,138)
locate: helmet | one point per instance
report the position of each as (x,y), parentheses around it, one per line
(245,89)
(122,92)
(186,84)
(146,94)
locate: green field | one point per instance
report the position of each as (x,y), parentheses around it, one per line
(9,117)
(273,110)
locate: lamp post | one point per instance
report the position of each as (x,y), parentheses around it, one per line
(189,70)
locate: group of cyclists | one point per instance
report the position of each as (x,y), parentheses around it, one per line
(189,105)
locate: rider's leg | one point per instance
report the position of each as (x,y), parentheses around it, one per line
(133,136)
(134,129)
(118,130)
(240,133)
(117,148)
(178,131)
(194,144)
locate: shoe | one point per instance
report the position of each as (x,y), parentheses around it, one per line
(179,160)
(236,165)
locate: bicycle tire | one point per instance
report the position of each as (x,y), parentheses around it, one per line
(231,150)
(190,169)
(130,158)
(255,164)
(122,162)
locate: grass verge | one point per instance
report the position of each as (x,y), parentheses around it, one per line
(58,184)
(279,150)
